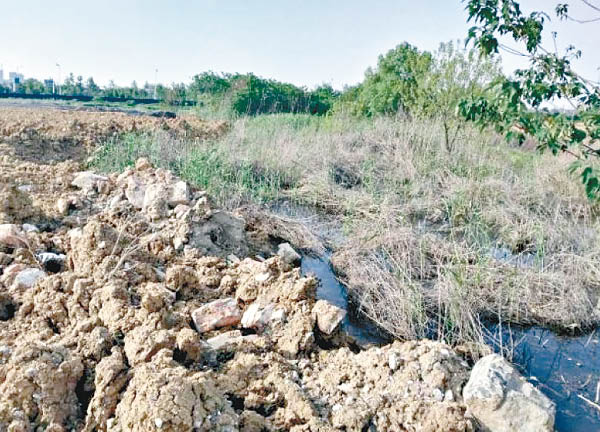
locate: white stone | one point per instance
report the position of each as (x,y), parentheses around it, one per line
(503,401)
(437,395)
(328,316)
(27,278)
(87,180)
(258,317)
(233,259)
(62,206)
(28,228)
(158,422)
(179,194)
(262,277)
(393,361)
(288,254)
(135,191)
(155,201)
(115,201)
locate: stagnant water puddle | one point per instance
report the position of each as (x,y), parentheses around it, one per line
(566,369)
(334,292)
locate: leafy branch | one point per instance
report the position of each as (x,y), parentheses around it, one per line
(517,106)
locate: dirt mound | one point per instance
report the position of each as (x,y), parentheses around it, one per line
(157,314)
(55,134)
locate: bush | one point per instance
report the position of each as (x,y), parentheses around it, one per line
(248,94)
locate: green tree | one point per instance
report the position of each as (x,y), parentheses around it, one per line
(91,88)
(68,86)
(517,106)
(396,82)
(31,86)
(456,73)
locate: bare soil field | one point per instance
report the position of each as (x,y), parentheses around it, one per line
(40,134)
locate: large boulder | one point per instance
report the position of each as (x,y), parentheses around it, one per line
(503,401)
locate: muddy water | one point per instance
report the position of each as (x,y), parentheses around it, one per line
(564,368)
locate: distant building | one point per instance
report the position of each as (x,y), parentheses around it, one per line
(15,79)
(1,76)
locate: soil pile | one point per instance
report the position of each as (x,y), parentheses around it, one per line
(60,134)
(128,303)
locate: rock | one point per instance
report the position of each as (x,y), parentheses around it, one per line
(28,228)
(51,262)
(135,192)
(62,206)
(87,181)
(219,313)
(328,316)
(180,210)
(224,340)
(27,278)
(503,401)
(288,254)
(233,259)
(142,164)
(25,188)
(155,201)
(179,194)
(262,277)
(11,272)
(394,361)
(259,317)
(11,236)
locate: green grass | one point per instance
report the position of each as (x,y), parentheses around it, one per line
(204,166)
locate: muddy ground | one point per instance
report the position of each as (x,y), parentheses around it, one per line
(129,303)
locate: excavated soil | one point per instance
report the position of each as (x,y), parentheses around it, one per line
(115,335)
(53,134)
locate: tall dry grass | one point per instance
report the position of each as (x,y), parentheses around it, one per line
(423,226)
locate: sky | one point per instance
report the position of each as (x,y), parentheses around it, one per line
(306,42)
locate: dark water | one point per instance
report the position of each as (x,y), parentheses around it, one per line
(560,366)
(334,292)
(564,368)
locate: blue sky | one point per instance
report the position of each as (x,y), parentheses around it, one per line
(304,42)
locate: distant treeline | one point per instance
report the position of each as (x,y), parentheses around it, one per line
(242,93)
(81,98)
(406,81)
